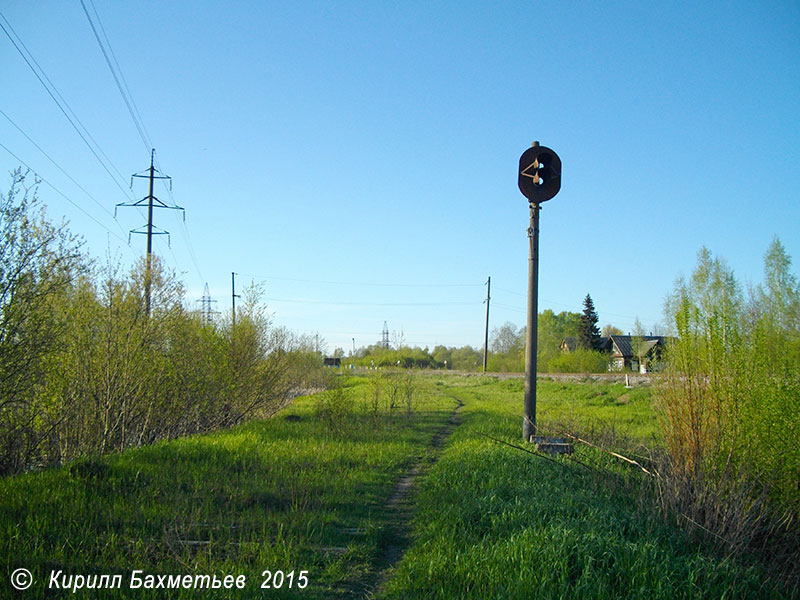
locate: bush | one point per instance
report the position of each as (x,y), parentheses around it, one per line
(730,403)
(86,370)
(579,360)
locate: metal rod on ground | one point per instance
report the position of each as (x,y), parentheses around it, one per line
(531,334)
(486,333)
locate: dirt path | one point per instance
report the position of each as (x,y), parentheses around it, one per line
(399,510)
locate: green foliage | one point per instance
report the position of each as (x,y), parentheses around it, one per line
(495,522)
(465,358)
(86,370)
(730,400)
(284,493)
(508,343)
(553,328)
(579,360)
(507,347)
(288,493)
(38,262)
(588,331)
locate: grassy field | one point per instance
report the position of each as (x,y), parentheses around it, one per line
(307,494)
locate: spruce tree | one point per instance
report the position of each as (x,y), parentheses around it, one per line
(588,332)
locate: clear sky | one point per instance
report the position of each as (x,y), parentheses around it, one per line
(359,158)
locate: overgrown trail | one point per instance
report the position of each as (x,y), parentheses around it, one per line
(398,509)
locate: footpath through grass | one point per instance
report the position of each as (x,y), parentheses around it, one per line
(495,522)
(291,494)
(305,494)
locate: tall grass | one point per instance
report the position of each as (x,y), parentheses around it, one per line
(495,522)
(304,490)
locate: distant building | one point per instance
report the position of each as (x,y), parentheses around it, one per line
(628,352)
(332,361)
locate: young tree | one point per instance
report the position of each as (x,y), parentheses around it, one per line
(588,331)
(38,262)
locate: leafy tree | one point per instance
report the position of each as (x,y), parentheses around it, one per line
(553,328)
(729,400)
(507,339)
(609,330)
(38,262)
(508,349)
(588,331)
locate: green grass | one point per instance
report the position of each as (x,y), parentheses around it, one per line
(284,494)
(305,491)
(495,522)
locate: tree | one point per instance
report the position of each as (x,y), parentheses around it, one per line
(588,331)
(507,339)
(609,330)
(38,262)
(553,328)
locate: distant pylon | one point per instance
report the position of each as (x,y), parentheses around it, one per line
(385,336)
(207,311)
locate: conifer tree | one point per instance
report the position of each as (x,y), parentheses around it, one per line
(588,332)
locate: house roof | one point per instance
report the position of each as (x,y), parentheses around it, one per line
(619,345)
(623,344)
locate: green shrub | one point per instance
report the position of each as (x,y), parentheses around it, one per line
(579,360)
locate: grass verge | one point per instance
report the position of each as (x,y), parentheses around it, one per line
(494,522)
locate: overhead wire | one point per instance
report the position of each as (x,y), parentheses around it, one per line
(62,194)
(367,284)
(119,78)
(327,303)
(62,104)
(60,168)
(122,85)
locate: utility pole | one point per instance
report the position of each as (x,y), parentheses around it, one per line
(149,229)
(234,296)
(486,333)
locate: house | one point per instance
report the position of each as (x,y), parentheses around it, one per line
(627,352)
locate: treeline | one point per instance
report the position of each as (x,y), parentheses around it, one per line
(506,350)
(465,358)
(508,344)
(85,369)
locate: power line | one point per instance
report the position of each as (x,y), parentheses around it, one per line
(39,148)
(62,194)
(366,284)
(60,102)
(327,303)
(124,91)
(130,103)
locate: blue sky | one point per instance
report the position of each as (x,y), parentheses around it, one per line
(359,158)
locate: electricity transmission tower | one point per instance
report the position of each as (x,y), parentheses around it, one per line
(385,336)
(206,307)
(149,229)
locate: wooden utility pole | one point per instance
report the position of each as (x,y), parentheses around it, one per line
(486,332)
(234,296)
